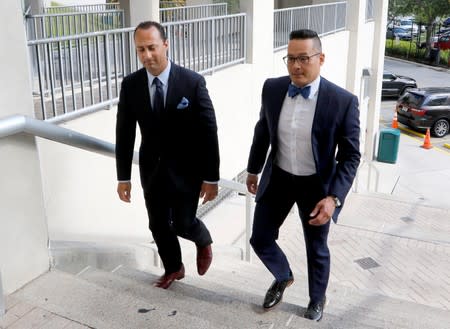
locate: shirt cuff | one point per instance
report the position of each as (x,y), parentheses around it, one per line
(208,182)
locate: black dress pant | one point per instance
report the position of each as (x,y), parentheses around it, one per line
(172,214)
(271,210)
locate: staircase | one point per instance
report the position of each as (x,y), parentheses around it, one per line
(94,285)
(228,296)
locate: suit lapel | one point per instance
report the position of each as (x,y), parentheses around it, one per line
(321,120)
(171,88)
(278,96)
(144,90)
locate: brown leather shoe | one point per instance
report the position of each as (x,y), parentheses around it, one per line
(204,259)
(166,280)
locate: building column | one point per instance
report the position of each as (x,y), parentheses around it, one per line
(259,31)
(376,79)
(137,11)
(23,233)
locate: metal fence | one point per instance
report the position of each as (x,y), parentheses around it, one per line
(186,13)
(84,72)
(64,24)
(324,19)
(81,8)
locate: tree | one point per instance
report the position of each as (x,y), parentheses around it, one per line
(426,12)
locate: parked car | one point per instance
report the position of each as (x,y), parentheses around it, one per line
(409,26)
(446,22)
(397,32)
(395,85)
(443,42)
(423,108)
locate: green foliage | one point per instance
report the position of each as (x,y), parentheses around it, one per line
(423,10)
(233,5)
(410,51)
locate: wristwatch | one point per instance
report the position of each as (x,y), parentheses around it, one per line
(337,202)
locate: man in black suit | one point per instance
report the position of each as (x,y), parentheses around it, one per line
(304,118)
(179,152)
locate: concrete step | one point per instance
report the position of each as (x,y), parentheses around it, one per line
(343,302)
(237,307)
(96,306)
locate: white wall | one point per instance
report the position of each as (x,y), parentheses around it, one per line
(23,232)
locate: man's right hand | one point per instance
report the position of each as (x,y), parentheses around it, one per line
(124,191)
(252,183)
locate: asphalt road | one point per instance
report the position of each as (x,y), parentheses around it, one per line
(425,76)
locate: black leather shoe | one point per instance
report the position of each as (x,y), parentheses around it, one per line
(315,310)
(275,293)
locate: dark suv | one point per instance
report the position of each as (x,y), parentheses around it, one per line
(423,108)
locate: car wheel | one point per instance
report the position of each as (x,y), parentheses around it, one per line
(440,128)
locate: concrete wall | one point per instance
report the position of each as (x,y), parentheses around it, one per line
(23,233)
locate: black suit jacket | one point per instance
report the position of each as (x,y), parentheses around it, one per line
(335,125)
(183,141)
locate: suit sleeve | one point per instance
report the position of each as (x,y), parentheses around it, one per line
(348,154)
(208,134)
(125,134)
(261,141)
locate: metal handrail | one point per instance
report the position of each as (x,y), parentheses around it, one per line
(17,124)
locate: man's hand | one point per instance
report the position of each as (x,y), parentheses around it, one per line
(322,212)
(124,191)
(252,183)
(208,192)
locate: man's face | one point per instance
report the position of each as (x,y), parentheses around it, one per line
(151,49)
(301,69)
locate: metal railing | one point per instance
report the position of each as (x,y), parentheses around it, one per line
(17,124)
(80,8)
(185,13)
(324,19)
(44,26)
(85,71)
(208,44)
(81,71)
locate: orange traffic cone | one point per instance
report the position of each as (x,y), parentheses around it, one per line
(426,141)
(394,121)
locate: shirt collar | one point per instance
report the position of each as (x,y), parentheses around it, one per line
(163,76)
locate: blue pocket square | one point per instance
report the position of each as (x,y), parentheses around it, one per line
(183,103)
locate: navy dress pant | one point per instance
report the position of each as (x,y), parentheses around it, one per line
(271,210)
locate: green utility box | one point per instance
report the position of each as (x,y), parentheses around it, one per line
(388,145)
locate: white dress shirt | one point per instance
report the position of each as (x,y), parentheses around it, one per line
(294,133)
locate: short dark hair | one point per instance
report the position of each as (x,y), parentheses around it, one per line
(307,34)
(148,24)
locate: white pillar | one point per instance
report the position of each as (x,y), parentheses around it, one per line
(23,233)
(259,31)
(137,11)
(355,21)
(376,79)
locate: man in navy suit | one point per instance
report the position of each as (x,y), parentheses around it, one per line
(179,152)
(304,119)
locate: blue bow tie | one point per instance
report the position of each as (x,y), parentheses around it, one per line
(294,91)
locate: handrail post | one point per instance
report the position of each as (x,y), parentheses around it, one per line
(248,226)
(2,300)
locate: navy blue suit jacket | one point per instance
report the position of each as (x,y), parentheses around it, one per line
(182,140)
(335,126)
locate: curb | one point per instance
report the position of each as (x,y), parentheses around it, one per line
(437,68)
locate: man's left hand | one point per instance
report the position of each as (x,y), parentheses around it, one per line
(322,212)
(208,192)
